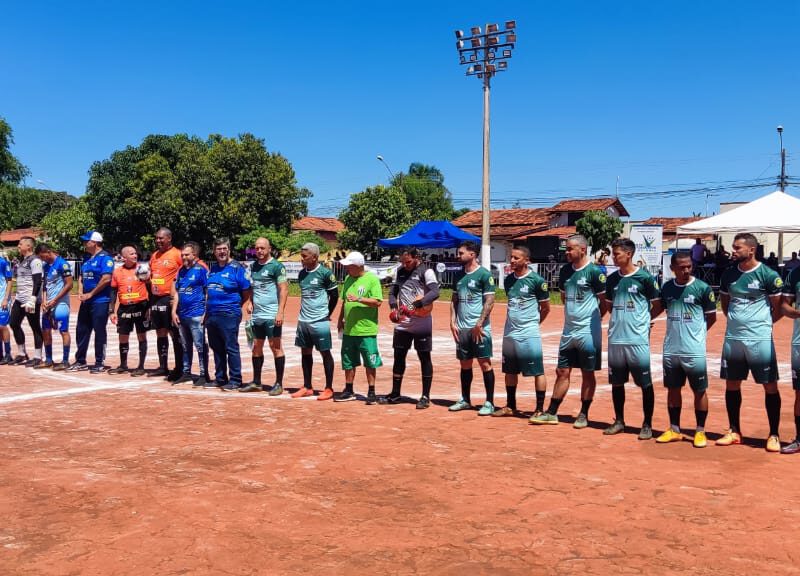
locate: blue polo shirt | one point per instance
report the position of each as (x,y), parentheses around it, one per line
(225,286)
(191,287)
(92,270)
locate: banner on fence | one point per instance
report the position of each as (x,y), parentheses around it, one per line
(648,240)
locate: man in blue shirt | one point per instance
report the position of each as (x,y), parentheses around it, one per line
(55,305)
(5,298)
(188,308)
(95,293)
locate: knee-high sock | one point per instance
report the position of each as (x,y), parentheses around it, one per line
(618,396)
(648,404)
(466,384)
(327,364)
(308,366)
(733,403)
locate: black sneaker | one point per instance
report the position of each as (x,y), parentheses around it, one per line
(423,403)
(78,367)
(43,365)
(174,375)
(157,373)
(371,398)
(5,360)
(97,369)
(344,396)
(231,386)
(200,382)
(210,384)
(250,387)
(138,372)
(61,367)
(118,370)
(389,399)
(20,360)
(33,363)
(183,379)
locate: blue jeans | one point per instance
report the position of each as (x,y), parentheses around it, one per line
(193,336)
(223,337)
(92,317)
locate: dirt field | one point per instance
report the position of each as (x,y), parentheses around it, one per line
(105,475)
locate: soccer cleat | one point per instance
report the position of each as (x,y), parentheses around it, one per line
(20,360)
(249,387)
(61,367)
(44,364)
(544,418)
(617,427)
(78,367)
(773,444)
(792,448)
(118,370)
(581,421)
(157,373)
(504,411)
(303,392)
(138,372)
(699,439)
(231,386)
(326,394)
(276,390)
(423,403)
(389,399)
(645,432)
(729,439)
(344,396)
(487,409)
(372,399)
(460,405)
(185,378)
(669,436)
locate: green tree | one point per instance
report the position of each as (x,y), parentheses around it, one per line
(64,228)
(12,171)
(375,213)
(425,192)
(281,241)
(599,228)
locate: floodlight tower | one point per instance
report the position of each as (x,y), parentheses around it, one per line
(485,53)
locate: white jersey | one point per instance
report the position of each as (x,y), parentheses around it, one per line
(25,270)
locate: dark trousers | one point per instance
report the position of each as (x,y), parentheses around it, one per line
(92,317)
(223,337)
(17,314)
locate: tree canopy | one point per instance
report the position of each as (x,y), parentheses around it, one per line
(64,228)
(599,228)
(281,241)
(425,192)
(377,212)
(12,171)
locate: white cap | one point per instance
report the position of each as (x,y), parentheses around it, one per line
(356,258)
(92,235)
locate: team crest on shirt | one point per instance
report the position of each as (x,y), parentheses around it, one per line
(491,281)
(754,285)
(523,290)
(602,277)
(633,289)
(778,282)
(711,297)
(689,299)
(544,286)
(471,284)
(110,264)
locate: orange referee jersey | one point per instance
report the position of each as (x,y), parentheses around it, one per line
(130,290)
(164,268)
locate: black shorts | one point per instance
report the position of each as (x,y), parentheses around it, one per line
(130,315)
(161,312)
(404,339)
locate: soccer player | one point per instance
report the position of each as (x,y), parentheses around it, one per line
(528,306)
(270,291)
(6,274)
(27,303)
(188,310)
(635,300)
(164,265)
(228,292)
(471,305)
(55,305)
(358,320)
(791,309)
(132,311)
(691,310)
(751,300)
(414,289)
(319,294)
(95,292)
(582,285)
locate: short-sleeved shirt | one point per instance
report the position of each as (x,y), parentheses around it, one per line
(792,291)
(581,288)
(5,277)
(164,268)
(749,312)
(314,286)
(360,319)
(630,297)
(27,268)
(190,283)
(686,308)
(265,279)
(470,290)
(55,276)
(410,286)
(92,270)
(225,287)
(524,294)
(130,290)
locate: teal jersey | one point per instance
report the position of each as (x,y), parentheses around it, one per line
(524,295)
(792,291)
(630,298)
(470,289)
(582,288)
(265,279)
(314,286)
(686,307)
(749,312)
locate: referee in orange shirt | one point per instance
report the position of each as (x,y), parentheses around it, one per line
(164,265)
(132,311)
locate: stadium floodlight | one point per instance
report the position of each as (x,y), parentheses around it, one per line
(460,44)
(511,24)
(506,53)
(459,34)
(511,38)
(491,28)
(475,30)
(476,42)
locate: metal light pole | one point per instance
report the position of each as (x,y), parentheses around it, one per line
(782,181)
(485,55)
(399,180)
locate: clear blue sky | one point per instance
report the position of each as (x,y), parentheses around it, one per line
(661,94)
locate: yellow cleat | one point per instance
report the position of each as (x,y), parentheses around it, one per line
(699,439)
(773,444)
(669,436)
(729,439)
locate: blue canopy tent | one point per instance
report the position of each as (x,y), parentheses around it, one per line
(430,234)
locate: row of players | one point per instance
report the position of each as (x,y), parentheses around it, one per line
(182,296)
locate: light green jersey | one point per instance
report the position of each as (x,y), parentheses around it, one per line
(524,295)
(314,286)
(265,279)
(630,313)
(360,319)
(581,289)
(470,289)
(686,307)
(749,312)
(792,291)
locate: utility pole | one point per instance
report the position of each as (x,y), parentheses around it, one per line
(782,181)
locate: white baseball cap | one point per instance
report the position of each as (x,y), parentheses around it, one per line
(355,258)
(92,235)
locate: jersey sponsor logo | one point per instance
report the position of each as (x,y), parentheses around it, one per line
(524,290)
(689,299)
(633,289)
(754,285)
(471,284)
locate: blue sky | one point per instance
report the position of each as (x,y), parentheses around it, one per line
(662,95)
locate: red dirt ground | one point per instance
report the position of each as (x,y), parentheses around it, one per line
(114,475)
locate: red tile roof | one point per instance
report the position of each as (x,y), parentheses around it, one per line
(591,204)
(531,217)
(561,232)
(318,224)
(11,236)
